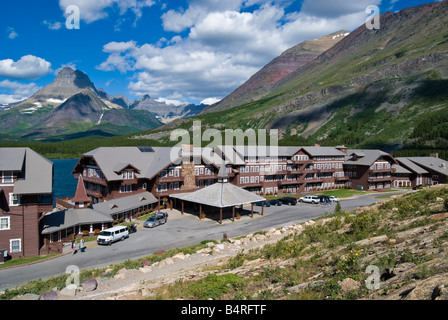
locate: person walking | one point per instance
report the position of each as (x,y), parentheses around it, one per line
(81,245)
(73,247)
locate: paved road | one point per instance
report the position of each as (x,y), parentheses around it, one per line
(178,232)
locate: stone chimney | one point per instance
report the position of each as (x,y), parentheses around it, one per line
(434,155)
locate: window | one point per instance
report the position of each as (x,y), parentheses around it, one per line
(145,186)
(241,180)
(7,177)
(246,179)
(5,223)
(161,187)
(14,200)
(15,245)
(126,188)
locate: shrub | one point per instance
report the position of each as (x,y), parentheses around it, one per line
(214,286)
(350,264)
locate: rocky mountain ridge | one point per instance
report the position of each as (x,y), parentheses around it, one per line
(261,83)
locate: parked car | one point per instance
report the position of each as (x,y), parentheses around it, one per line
(334,199)
(310,199)
(275,202)
(155,221)
(321,198)
(112,235)
(266,203)
(289,201)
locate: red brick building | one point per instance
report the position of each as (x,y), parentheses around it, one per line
(26,182)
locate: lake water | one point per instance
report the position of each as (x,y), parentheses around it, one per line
(64,183)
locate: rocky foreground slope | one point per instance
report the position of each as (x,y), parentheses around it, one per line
(393,250)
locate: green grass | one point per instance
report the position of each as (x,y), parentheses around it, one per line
(27,260)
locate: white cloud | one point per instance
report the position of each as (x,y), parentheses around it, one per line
(210,101)
(334,9)
(226,44)
(13,91)
(93,10)
(12,34)
(53,25)
(170,101)
(28,67)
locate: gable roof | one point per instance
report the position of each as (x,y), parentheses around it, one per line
(12,159)
(220,195)
(36,172)
(61,220)
(411,165)
(112,159)
(125,203)
(365,157)
(431,163)
(317,151)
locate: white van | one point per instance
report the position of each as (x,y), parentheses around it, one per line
(310,199)
(114,234)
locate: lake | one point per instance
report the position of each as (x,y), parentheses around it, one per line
(64,183)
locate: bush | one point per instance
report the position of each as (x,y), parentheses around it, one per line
(214,286)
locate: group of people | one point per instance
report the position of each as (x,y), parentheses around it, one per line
(81,246)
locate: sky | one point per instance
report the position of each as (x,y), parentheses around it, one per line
(181,51)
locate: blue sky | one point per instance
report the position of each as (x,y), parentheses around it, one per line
(183,51)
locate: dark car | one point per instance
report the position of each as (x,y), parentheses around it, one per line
(289,201)
(259,203)
(321,198)
(275,202)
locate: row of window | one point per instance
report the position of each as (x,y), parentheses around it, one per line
(15,245)
(380,166)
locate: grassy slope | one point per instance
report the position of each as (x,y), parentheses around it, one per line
(412,229)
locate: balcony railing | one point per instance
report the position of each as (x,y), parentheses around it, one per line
(95,180)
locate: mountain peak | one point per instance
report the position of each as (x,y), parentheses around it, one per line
(67,83)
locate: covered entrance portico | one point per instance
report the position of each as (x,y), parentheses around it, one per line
(221,195)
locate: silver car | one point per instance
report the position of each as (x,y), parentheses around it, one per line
(155,220)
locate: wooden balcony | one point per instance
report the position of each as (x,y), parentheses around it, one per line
(94,193)
(206,177)
(168,179)
(95,180)
(382,179)
(290,182)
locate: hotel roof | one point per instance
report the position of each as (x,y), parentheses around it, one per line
(364,157)
(220,195)
(36,172)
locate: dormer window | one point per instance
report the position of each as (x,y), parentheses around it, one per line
(126,175)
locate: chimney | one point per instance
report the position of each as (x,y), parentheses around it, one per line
(342,148)
(434,155)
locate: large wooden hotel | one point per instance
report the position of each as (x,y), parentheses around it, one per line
(116,183)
